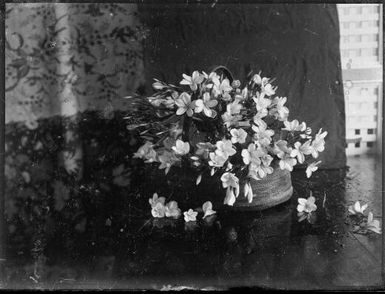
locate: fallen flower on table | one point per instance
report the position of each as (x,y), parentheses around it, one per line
(155,199)
(306,205)
(373,224)
(158,210)
(207,208)
(305,209)
(190,215)
(172,210)
(357,208)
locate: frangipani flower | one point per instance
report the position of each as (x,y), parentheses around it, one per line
(306,205)
(207,208)
(248,192)
(216,160)
(234,107)
(193,81)
(159,210)
(230,120)
(146,152)
(241,95)
(312,167)
(238,136)
(373,224)
(262,135)
(156,199)
(181,148)
(318,143)
(300,150)
(252,154)
(259,171)
(294,126)
(172,210)
(225,148)
(190,215)
(167,159)
(257,79)
(231,182)
(230,197)
(222,88)
(280,111)
(287,162)
(205,105)
(266,88)
(257,119)
(262,103)
(185,105)
(357,208)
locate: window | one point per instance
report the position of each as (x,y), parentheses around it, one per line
(370,131)
(370,144)
(357,145)
(357,131)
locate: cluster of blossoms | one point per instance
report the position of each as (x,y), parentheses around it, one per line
(362,222)
(160,209)
(248,133)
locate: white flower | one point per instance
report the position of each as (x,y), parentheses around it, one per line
(230,197)
(216,160)
(190,215)
(172,210)
(225,148)
(300,150)
(258,119)
(262,103)
(306,205)
(238,136)
(266,88)
(318,143)
(241,95)
(287,162)
(234,107)
(198,180)
(252,154)
(257,79)
(155,199)
(294,126)
(280,111)
(259,171)
(147,152)
(262,135)
(193,81)
(205,105)
(158,210)
(207,208)
(373,224)
(229,180)
(181,148)
(229,119)
(357,208)
(158,85)
(185,105)
(312,167)
(167,159)
(222,88)
(248,192)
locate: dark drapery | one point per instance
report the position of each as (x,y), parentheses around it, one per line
(297,44)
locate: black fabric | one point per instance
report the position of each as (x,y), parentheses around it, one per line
(297,44)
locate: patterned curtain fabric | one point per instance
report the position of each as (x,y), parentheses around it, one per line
(64,58)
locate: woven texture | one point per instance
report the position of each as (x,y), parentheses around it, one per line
(272,190)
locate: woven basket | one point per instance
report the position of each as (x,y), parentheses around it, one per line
(270,191)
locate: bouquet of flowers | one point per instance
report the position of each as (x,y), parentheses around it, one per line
(217,126)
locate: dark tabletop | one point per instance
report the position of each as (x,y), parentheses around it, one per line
(269,249)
